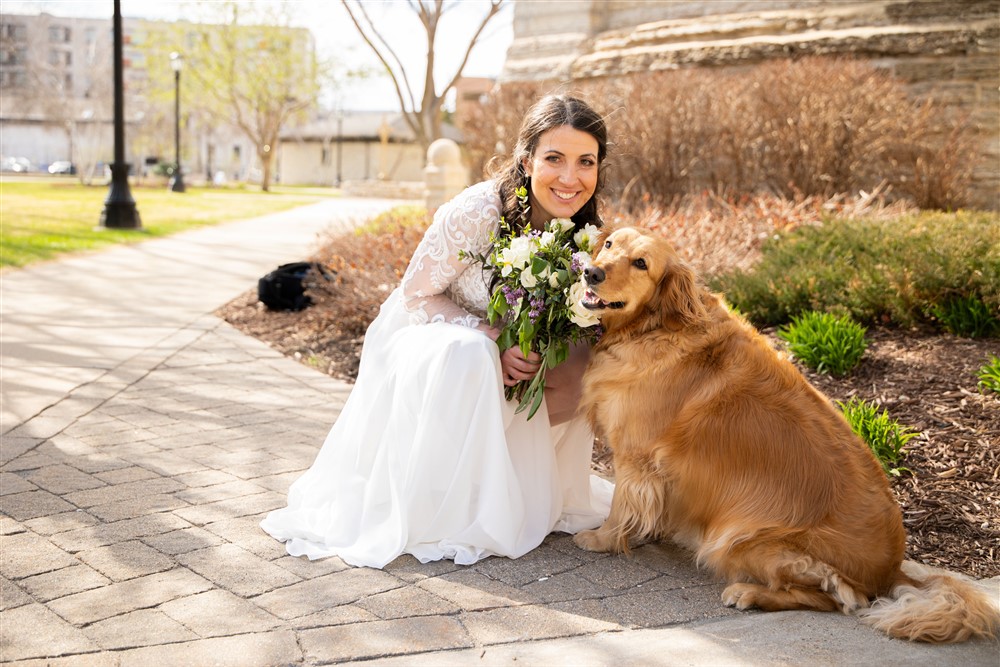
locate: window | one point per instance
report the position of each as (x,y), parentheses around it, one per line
(14,31)
(59,34)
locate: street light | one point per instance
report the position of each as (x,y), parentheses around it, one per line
(119,208)
(177,63)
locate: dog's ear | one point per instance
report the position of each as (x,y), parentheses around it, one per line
(678,297)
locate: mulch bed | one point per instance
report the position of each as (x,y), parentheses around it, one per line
(950,495)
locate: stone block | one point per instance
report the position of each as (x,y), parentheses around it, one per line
(145,627)
(14,483)
(201,515)
(33,504)
(124,492)
(12,595)
(407,601)
(62,479)
(136,507)
(63,582)
(61,523)
(315,595)
(250,650)
(383,638)
(218,613)
(182,541)
(103,534)
(126,475)
(224,491)
(120,598)
(616,573)
(32,631)
(27,554)
(237,570)
(126,560)
(527,623)
(471,590)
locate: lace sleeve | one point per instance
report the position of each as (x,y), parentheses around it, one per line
(464,223)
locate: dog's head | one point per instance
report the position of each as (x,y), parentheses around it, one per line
(637,280)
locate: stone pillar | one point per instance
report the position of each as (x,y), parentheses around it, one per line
(444,175)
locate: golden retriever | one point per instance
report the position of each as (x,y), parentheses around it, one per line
(722,445)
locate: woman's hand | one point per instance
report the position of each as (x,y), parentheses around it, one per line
(515,367)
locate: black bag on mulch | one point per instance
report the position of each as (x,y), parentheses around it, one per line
(282,289)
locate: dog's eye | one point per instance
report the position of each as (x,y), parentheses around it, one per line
(607,244)
(640,264)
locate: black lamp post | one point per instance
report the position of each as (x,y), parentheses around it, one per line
(119,208)
(177,182)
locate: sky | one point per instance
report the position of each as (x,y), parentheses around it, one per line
(336,37)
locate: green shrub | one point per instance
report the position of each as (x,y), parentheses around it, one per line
(898,272)
(886,437)
(825,342)
(989,376)
(966,316)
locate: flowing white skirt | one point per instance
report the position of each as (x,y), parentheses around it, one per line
(427,458)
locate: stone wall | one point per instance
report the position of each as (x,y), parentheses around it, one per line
(945,50)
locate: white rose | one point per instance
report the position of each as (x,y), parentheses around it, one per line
(563,224)
(584,238)
(528,279)
(547,238)
(579,315)
(519,253)
(554,280)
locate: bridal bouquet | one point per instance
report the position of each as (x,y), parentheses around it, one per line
(537,295)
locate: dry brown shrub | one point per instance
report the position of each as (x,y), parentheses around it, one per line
(815,126)
(716,233)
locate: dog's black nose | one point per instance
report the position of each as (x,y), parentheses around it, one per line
(593,275)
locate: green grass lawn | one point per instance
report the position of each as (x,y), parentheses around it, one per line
(41,220)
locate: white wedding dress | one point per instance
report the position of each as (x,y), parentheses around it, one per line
(427,457)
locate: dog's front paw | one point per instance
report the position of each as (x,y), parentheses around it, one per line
(741,596)
(592,540)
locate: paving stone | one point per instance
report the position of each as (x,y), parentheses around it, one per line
(10,527)
(218,613)
(126,560)
(120,598)
(103,534)
(183,541)
(63,522)
(96,659)
(618,573)
(279,483)
(407,601)
(224,491)
(136,507)
(672,560)
(314,595)
(169,464)
(62,479)
(246,532)
(201,515)
(265,468)
(28,461)
(12,595)
(532,566)
(26,554)
(471,590)
(124,492)
(145,627)
(63,582)
(383,638)
(14,483)
(527,623)
(566,586)
(32,631)
(15,446)
(250,650)
(201,478)
(308,569)
(32,504)
(345,614)
(411,570)
(125,475)
(237,570)
(662,608)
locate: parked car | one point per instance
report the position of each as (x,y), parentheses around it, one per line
(16,164)
(62,167)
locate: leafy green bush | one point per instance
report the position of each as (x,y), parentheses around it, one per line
(989,376)
(966,316)
(900,271)
(886,437)
(825,342)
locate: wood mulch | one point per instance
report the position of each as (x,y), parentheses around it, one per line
(950,495)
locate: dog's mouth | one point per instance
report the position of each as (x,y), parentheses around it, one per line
(591,301)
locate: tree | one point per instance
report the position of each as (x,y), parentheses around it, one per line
(425,119)
(249,68)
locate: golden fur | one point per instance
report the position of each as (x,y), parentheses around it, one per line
(722,445)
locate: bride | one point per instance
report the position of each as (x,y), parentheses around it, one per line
(427,457)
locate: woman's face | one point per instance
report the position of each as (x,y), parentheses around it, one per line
(563,171)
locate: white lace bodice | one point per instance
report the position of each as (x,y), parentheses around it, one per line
(438,285)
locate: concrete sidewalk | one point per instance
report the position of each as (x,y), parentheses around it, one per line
(144,439)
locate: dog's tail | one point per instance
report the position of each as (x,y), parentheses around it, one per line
(938,609)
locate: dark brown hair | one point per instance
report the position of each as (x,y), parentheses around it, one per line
(547,113)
